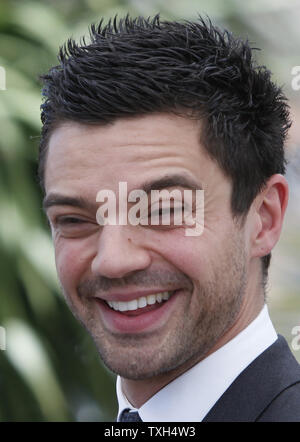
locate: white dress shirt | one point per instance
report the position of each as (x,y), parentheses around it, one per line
(189,397)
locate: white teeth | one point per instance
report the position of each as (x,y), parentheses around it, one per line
(159,297)
(151,299)
(123,306)
(165,296)
(132,305)
(140,302)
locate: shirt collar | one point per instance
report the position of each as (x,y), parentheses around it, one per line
(189,397)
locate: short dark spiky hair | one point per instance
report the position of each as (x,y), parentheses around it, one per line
(139,66)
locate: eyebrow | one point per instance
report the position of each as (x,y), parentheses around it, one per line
(57,199)
(177,180)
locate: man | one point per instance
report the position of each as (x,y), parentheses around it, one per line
(181,319)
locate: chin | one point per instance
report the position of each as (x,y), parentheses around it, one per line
(136,363)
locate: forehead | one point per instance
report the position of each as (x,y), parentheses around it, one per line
(129,150)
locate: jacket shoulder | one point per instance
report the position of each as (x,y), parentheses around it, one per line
(285,407)
(267,390)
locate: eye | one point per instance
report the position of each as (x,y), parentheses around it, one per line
(69,220)
(166,215)
(72,226)
(165,210)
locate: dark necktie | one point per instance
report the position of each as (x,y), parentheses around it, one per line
(127,416)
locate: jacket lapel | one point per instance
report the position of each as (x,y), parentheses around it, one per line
(255,388)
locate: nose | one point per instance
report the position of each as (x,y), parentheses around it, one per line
(118,253)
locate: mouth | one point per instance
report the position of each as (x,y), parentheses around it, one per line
(143,313)
(141,304)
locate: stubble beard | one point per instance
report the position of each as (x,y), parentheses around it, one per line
(139,357)
(218,302)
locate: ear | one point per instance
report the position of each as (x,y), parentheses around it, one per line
(269,210)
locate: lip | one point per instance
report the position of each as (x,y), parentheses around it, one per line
(116,322)
(130,295)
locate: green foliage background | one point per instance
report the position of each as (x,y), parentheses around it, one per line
(50,370)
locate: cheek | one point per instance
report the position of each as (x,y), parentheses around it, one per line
(185,253)
(201,258)
(70,263)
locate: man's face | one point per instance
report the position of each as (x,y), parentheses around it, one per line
(205,275)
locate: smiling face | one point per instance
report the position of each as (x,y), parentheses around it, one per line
(203,282)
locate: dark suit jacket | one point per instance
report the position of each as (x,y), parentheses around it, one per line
(268,390)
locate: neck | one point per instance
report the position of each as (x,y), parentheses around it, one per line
(140,391)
